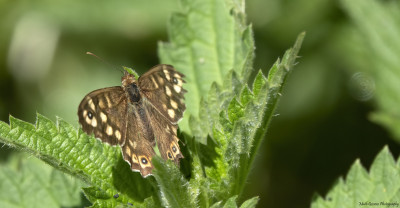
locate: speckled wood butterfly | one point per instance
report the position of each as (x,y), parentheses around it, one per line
(139,116)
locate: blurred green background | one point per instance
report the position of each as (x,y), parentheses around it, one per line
(323,121)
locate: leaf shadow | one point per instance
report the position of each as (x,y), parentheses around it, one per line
(206,153)
(131,183)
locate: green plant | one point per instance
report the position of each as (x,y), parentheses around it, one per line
(379,187)
(223,127)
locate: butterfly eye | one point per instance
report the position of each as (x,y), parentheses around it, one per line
(174,148)
(90,115)
(175,80)
(169,155)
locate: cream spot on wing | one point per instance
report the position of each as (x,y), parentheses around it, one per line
(94,121)
(177,88)
(88,120)
(174,104)
(168,91)
(179,82)
(108,102)
(133,144)
(154,82)
(164,106)
(161,80)
(91,104)
(176,139)
(171,113)
(109,130)
(118,135)
(167,75)
(134,159)
(101,103)
(128,150)
(84,113)
(103,117)
(177,75)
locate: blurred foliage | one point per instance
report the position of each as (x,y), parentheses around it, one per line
(323,123)
(378,23)
(378,187)
(25,180)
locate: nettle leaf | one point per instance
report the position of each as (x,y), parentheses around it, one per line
(379,187)
(241,127)
(207,40)
(212,45)
(238,130)
(24,181)
(175,190)
(64,147)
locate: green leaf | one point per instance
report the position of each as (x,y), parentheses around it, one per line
(231,203)
(24,181)
(175,189)
(99,165)
(380,74)
(376,188)
(207,40)
(250,203)
(241,127)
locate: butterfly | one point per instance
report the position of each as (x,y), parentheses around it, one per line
(139,116)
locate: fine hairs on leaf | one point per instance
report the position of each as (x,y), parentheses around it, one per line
(226,119)
(64,147)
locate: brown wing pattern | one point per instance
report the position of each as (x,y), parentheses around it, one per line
(138,148)
(162,85)
(138,126)
(165,134)
(99,113)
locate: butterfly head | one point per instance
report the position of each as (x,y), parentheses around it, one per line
(128,70)
(130,77)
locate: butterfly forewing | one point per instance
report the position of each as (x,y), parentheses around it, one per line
(162,85)
(100,113)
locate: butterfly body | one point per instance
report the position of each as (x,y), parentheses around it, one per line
(138,116)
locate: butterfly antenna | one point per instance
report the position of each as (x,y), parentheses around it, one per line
(112,66)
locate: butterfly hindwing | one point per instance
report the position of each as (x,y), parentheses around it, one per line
(162,85)
(165,136)
(138,148)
